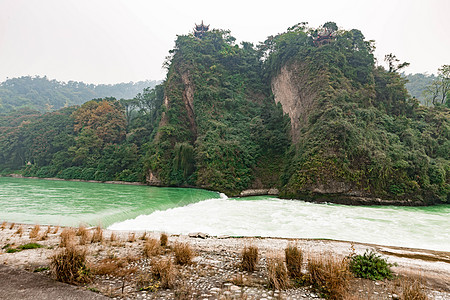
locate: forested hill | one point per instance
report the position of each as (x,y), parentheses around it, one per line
(306,112)
(42,94)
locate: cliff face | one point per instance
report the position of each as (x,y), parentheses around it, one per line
(297,92)
(315,121)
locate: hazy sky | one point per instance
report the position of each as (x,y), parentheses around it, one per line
(109,41)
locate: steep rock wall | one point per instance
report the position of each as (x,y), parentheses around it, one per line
(296,90)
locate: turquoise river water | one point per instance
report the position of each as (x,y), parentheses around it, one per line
(176,210)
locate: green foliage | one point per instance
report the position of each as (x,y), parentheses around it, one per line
(371,266)
(30,246)
(214,123)
(233,123)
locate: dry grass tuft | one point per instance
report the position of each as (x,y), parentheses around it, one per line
(151,248)
(85,236)
(44,235)
(35,231)
(163,239)
(69,265)
(294,260)
(329,276)
(97,235)
(113,237)
(183,253)
(20,231)
(144,236)
(56,230)
(12,226)
(131,237)
(114,266)
(67,237)
(249,258)
(81,230)
(412,290)
(165,272)
(277,273)
(3,225)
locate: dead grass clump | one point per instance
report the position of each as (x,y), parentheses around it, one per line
(12,226)
(35,231)
(294,260)
(114,266)
(163,239)
(412,290)
(3,225)
(329,276)
(20,231)
(97,235)
(113,237)
(85,236)
(67,237)
(144,236)
(183,253)
(249,258)
(69,265)
(151,248)
(131,237)
(165,272)
(56,230)
(277,273)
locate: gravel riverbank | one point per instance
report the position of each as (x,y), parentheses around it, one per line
(215,272)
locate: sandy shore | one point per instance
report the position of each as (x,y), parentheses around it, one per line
(215,272)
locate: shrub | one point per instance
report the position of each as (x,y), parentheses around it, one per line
(3,225)
(12,226)
(151,248)
(69,265)
(277,273)
(183,253)
(371,266)
(249,258)
(35,231)
(165,272)
(329,276)
(294,260)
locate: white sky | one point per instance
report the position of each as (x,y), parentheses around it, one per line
(110,41)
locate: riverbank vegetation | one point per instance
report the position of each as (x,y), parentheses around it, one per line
(212,268)
(313,117)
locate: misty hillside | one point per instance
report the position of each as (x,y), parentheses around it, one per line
(42,94)
(305,114)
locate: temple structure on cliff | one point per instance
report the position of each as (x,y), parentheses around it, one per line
(199,30)
(323,37)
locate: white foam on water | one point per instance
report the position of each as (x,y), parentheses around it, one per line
(297,219)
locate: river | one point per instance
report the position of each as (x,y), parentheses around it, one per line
(176,210)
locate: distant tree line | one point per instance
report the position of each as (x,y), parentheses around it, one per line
(42,94)
(430,90)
